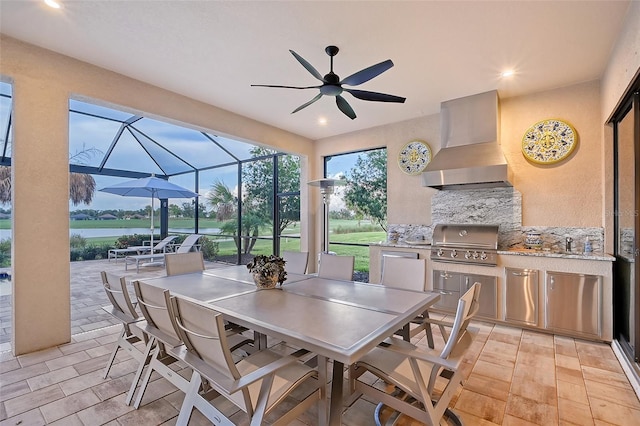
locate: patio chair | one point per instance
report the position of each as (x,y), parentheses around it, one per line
(156,257)
(256,384)
(409,274)
(336,267)
(413,372)
(444,325)
(184,263)
(124,310)
(189,244)
(115,253)
(296,261)
(158,324)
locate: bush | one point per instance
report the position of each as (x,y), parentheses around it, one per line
(5,253)
(352,229)
(209,248)
(126,241)
(77,241)
(90,252)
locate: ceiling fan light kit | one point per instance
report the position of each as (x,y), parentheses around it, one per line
(332,85)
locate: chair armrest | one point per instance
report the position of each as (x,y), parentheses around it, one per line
(437,322)
(263,371)
(411,351)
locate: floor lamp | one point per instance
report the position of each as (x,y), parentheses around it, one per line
(326,186)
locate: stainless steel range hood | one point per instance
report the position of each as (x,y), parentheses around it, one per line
(470,155)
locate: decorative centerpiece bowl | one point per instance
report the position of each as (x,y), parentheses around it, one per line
(268,271)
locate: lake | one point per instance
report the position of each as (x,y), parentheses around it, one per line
(116,232)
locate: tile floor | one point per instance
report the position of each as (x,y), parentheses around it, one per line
(513,377)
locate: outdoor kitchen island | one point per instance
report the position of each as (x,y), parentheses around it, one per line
(561,293)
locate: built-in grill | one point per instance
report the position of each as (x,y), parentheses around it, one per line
(466,244)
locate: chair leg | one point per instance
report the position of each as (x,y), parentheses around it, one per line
(147,377)
(114,353)
(143,362)
(189,400)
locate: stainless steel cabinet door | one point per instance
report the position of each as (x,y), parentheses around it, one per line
(447,284)
(488,297)
(521,296)
(574,302)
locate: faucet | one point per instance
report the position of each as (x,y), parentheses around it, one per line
(569,240)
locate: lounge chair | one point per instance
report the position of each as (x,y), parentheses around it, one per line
(123,252)
(157,259)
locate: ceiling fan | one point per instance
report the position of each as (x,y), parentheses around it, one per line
(332,85)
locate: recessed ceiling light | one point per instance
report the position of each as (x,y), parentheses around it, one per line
(322,121)
(53,4)
(507,73)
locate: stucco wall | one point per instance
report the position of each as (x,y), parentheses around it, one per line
(568,193)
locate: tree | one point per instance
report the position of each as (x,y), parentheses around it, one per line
(366,186)
(258,185)
(175,210)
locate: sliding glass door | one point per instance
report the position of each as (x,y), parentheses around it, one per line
(626,124)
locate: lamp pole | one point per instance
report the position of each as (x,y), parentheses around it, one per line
(326,189)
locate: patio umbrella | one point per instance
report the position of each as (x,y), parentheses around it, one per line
(149,187)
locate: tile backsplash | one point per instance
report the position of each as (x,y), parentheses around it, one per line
(501,206)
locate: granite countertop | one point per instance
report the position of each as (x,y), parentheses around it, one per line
(422,244)
(425,244)
(558,254)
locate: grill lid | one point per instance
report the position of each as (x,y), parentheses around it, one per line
(473,236)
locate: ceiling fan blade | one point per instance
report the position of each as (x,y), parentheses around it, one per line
(375,96)
(308,66)
(307,104)
(285,87)
(344,106)
(367,73)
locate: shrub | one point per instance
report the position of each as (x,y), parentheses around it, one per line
(209,248)
(90,252)
(5,252)
(77,241)
(352,229)
(126,241)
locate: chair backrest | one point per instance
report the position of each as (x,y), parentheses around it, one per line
(184,263)
(163,244)
(404,272)
(116,289)
(188,243)
(296,261)
(202,330)
(154,302)
(336,267)
(460,339)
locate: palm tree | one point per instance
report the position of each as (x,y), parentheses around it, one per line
(222,201)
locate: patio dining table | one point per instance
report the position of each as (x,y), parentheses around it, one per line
(337,320)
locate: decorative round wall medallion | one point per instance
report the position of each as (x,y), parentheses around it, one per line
(549,141)
(414,157)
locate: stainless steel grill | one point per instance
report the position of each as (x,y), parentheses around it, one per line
(468,244)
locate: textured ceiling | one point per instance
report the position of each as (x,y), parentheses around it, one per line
(214,50)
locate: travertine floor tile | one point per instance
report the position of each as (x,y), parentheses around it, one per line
(494,371)
(26,402)
(613,413)
(571,412)
(68,405)
(532,411)
(611,393)
(573,392)
(481,406)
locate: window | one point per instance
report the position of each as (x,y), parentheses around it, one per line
(358,210)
